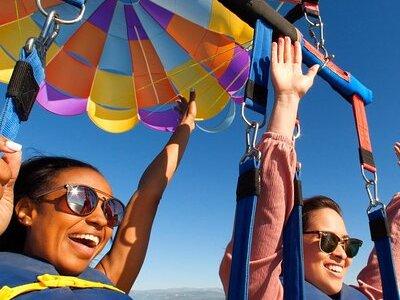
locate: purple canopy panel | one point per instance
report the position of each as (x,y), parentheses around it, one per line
(166,120)
(60,103)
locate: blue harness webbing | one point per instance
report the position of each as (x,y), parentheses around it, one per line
(11,117)
(76,3)
(243,231)
(249,179)
(380,234)
(293,261)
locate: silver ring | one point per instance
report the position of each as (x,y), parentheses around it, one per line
(62,21)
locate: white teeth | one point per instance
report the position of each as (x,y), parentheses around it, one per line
(89,237)
(335,268)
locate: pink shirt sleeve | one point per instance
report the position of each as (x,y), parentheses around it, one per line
(369,278)
(273,208)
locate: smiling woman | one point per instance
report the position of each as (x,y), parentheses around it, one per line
(328,249)
(64,215)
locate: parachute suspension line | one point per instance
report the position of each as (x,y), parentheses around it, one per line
(195,65)
(280,5)
(248,186)
(200,79)
(147,65)
(18,21)
(169,101)
(230,116)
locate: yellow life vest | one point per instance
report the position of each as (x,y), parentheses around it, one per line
(47,281)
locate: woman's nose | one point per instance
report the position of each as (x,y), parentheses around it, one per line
(340,252)
(97,217)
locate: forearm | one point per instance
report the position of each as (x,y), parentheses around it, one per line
(284,115)
(157,175)
(124,261)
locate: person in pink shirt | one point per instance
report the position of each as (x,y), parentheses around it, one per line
(326,264)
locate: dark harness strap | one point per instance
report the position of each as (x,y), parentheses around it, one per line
(21,93)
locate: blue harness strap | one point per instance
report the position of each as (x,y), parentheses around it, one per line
(293,261)
(76,3)
(21,93)
(256,92)
(247,193)
(381,236)
(249,179)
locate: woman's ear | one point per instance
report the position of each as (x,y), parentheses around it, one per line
(26,211)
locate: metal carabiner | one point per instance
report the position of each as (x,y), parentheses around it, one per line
(371,185)
(320,40)
(250,123)
(59,20)
(251,140)
(42,43)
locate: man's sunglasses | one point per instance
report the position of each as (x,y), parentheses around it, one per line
(82,200)
(328,241)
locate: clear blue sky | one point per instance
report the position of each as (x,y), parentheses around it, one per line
(195,217)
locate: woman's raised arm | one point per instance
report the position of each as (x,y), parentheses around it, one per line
(124,261)
(277,173)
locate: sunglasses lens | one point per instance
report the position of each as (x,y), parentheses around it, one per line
(81,200)
(352,247)
(329,242)
(114,211)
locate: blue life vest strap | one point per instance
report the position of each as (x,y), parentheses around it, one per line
(381,236)
(21,93)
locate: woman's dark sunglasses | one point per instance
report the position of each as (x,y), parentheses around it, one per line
(82,200)
(328,241)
